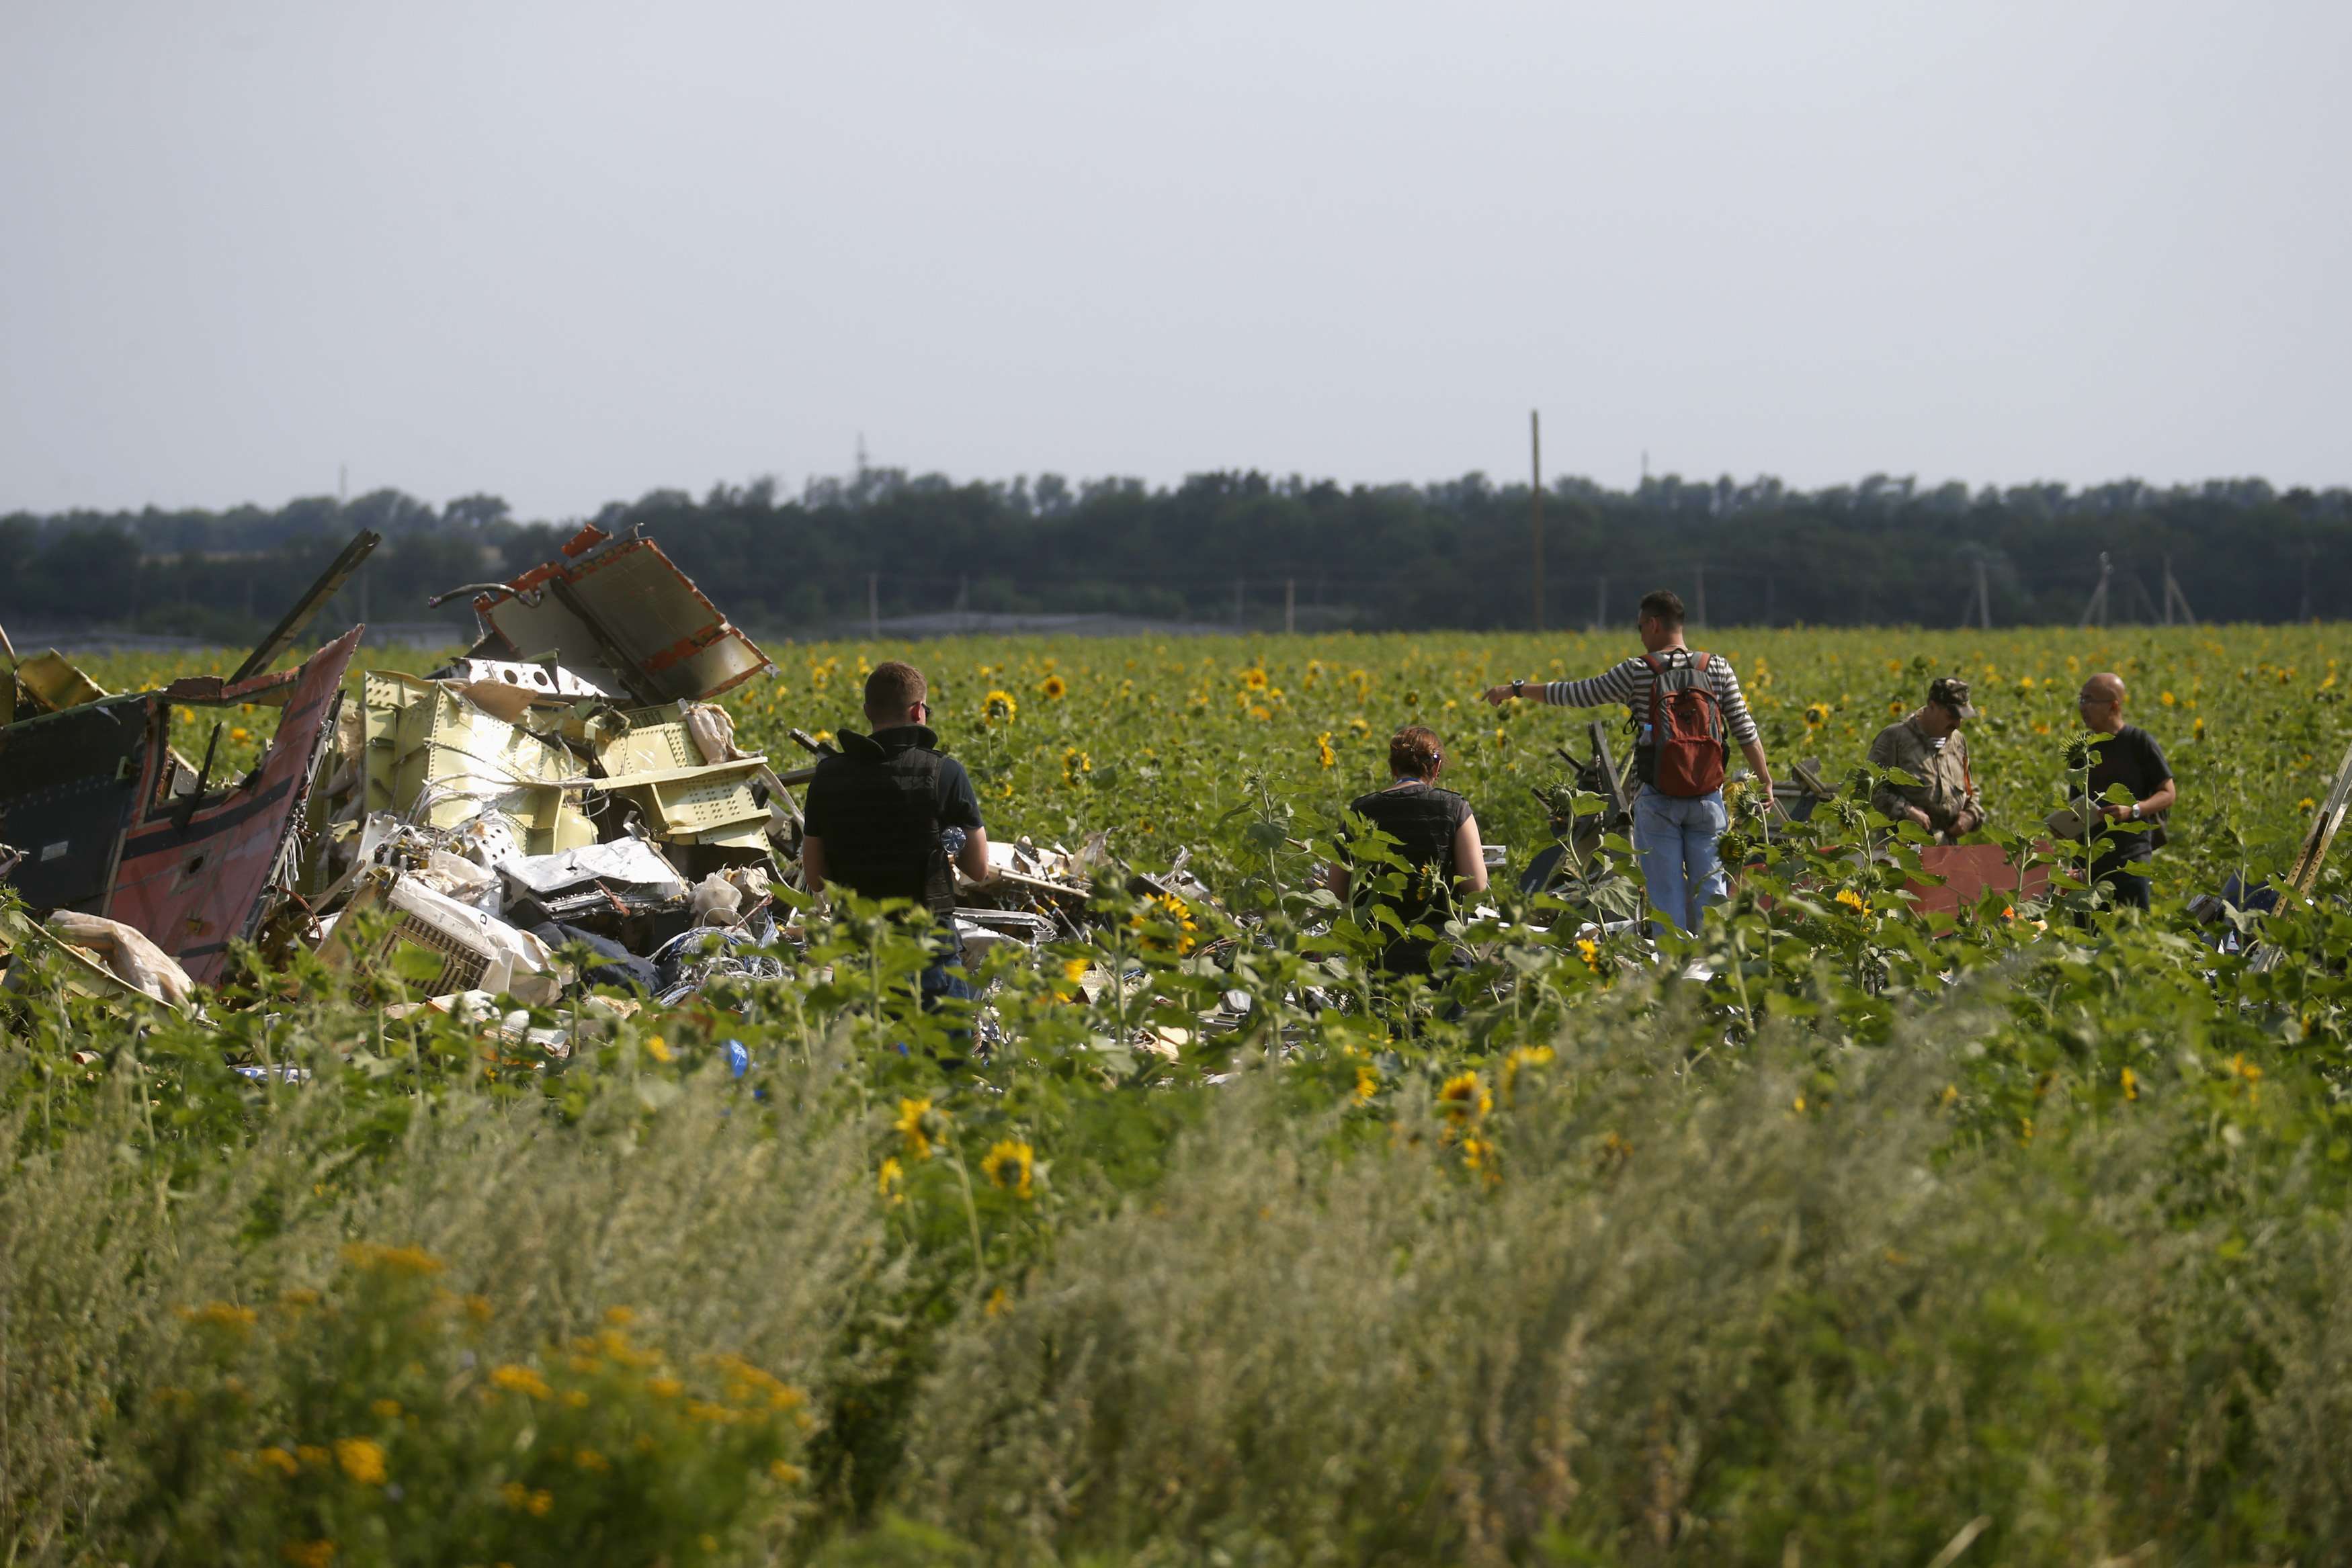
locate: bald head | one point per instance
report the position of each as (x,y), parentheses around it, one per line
(2101,703)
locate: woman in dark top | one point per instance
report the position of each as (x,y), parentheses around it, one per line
(1436,834)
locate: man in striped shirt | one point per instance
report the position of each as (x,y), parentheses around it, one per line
(1673,837)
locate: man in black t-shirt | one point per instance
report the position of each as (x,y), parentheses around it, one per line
(2130,757)
(878,811)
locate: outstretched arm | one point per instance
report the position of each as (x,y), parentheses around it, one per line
(1611,685)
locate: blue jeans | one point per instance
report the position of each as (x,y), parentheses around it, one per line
(1675,840)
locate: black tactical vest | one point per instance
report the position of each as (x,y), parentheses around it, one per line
(883,837)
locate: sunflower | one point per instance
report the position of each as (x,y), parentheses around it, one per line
(920,1125)
(1323,754)
(1254,678)
(1462,1097)
(1054,688)
(1009,1164)
(1816,715)
(999,707)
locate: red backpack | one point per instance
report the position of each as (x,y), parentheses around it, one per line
(1687,745)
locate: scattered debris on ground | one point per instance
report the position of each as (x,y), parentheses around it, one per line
(560,813)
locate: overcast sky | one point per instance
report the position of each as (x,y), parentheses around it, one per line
(568,252)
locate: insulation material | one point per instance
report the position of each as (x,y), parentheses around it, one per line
(439,944)
(127,954)
(620,615)
(712,730)
(195,876)
(439,760)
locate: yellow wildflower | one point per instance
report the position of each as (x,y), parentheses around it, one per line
(888,1179)
(277,1459)
(392,1260)
(790,1475)
(998,708)
(1254,678)
(1853,901)
(1368,1082)
(222,1315)
(920,1125)
(308,1553)
(517,1379)
(658,1049)
(362,1459)
(2130,1084)
(1323,754)
(1054,688)
(1461,1096)
(1009,1164)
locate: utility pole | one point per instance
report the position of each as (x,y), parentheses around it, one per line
(1984,599)
(1289,606)
(2097,609)
(874,605)
(1535,505)
(2174,598)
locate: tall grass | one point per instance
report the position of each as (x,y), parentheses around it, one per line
(1614,1301)
(1702,1316)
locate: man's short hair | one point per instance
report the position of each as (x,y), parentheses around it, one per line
(892,689)
(1663,605)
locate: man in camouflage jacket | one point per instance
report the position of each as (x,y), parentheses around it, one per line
(1928,746)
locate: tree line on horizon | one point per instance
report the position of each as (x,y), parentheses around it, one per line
(1245,549)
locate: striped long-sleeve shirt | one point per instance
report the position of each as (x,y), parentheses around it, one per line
(1632,683)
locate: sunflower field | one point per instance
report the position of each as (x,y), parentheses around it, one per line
(2020,1233)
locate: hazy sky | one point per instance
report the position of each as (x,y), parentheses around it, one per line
(568,252)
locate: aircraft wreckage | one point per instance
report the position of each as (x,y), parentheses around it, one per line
(567,785)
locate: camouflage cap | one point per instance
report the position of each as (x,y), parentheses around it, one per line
(1951,692)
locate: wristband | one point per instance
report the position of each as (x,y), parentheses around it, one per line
(1518,688)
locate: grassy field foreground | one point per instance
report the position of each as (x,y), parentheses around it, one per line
(2021,1236)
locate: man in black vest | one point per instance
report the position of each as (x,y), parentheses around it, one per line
(877,809)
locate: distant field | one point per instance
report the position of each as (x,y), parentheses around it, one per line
(1161,736)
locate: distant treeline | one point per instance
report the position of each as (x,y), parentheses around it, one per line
(1234,547)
